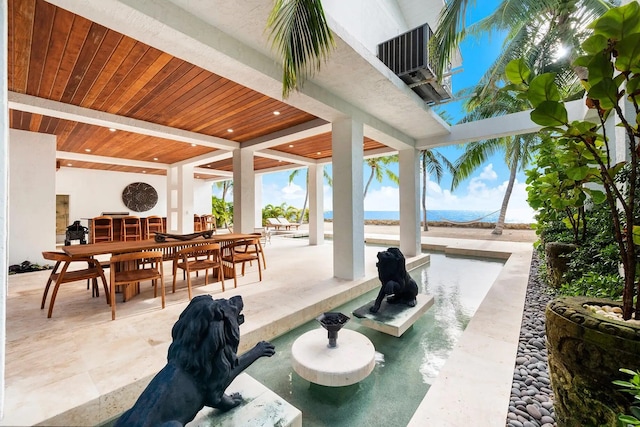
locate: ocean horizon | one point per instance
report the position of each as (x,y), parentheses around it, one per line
(443,215)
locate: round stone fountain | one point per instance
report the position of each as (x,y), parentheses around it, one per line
(333,364)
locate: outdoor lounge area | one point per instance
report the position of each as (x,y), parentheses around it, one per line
(108,363)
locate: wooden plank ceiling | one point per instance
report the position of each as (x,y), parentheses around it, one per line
(60,56)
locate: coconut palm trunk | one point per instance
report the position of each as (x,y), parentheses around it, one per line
(505,201)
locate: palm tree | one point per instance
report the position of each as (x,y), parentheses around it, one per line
(295,173)
(300,33)
(432,163)
(517,149)
(534,29)
(537,31)
(378,166)
(225,186)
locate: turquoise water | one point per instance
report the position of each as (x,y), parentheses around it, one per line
(405,366)
(436,215)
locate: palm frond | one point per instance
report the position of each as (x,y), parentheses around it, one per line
(301,34)
(447,37)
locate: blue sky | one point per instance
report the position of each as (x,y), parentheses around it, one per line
(483,191)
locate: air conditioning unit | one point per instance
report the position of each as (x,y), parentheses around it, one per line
(407,55)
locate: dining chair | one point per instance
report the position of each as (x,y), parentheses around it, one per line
(209,223)
(101,229)
(130,228)
(197,258)
(251,248)
(230,255)
(153,224)
(63,275)
(131,269)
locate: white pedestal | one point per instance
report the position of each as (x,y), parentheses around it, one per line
(260,407)
(393,319)
(350,362)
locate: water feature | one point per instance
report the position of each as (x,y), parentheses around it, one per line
(405,366)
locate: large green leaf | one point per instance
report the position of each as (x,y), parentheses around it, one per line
(600,68)
(578,173)
(605,91)
(597,196)
(628,53)
(618,22)
(636,234)
(550,113)
(543,88)
(517,71)
(594,44)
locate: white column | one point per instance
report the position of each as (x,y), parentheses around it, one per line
(348,203)
(409,168)
(180,199)
(258,198)
(243,191)
(4,197)
(316,205)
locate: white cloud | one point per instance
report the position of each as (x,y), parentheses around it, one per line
(488,173)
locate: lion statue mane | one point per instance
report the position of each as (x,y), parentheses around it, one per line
(394,280)
(201,363)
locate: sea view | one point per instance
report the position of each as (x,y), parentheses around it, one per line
(444,215)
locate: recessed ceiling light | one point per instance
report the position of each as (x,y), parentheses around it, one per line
(229,130)
(155,159)
(69,164)
(290,145)
(144,171)
(276,113)
(88,150)
(193,144)
(208,166)
(112,129)
(318,153)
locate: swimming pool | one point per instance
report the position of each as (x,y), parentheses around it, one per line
(405,366)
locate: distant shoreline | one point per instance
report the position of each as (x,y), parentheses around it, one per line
(508,225)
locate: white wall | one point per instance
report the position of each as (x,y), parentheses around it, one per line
(202,193)
(369,21)
(93,191)
(32,197)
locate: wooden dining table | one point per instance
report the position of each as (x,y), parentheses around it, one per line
(169,248)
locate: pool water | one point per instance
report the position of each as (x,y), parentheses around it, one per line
(405,366)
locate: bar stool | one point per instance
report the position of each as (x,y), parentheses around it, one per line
(209,223)
(102,229)
(153,224)
(130,229)
(197,223)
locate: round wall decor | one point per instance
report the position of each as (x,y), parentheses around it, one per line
(139,196)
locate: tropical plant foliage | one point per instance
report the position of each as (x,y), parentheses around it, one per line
(612,62)
(378,169)
(301,35)
(222,211)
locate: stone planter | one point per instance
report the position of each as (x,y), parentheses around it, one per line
(586,352)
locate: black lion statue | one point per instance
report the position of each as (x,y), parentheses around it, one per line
(201,363)
(395,280)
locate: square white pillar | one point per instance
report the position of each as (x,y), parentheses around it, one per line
(316,204)
(4,197)
(180,199)
(244,201)
(409,168)
(258,198)
(347,137)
